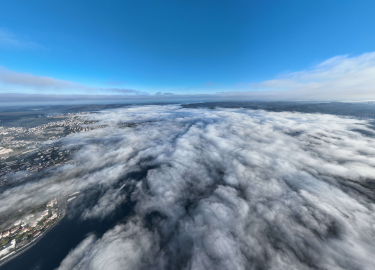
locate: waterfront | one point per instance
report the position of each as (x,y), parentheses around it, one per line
(66,235)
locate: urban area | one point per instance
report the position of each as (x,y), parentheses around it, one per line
(23,153)
(28,228)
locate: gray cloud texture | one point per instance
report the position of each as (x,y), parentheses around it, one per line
(27,81)
(221,189)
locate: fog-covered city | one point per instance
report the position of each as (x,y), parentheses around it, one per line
(192,135)
(204,188)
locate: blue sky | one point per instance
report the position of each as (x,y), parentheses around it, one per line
(180,47)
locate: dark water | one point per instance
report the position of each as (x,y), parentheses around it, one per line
(66,235)
(72,229)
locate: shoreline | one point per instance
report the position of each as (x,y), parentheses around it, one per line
(14,254)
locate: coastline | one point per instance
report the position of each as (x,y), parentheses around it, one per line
(31,244)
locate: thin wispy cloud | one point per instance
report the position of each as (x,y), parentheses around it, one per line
(45,84)
(124,91)
(338,78)
(10,40)
(27,80)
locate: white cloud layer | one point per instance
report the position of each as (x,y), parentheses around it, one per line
(338,78)
(45,84)
(221,189)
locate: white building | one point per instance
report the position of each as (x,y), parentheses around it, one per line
(14,230)
(51,203)
(34,224)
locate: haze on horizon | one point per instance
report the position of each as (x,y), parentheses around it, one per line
(187,51)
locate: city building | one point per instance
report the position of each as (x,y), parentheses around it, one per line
(14,230)
(36,233)
(51,203)
(45,213)
(46,221)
